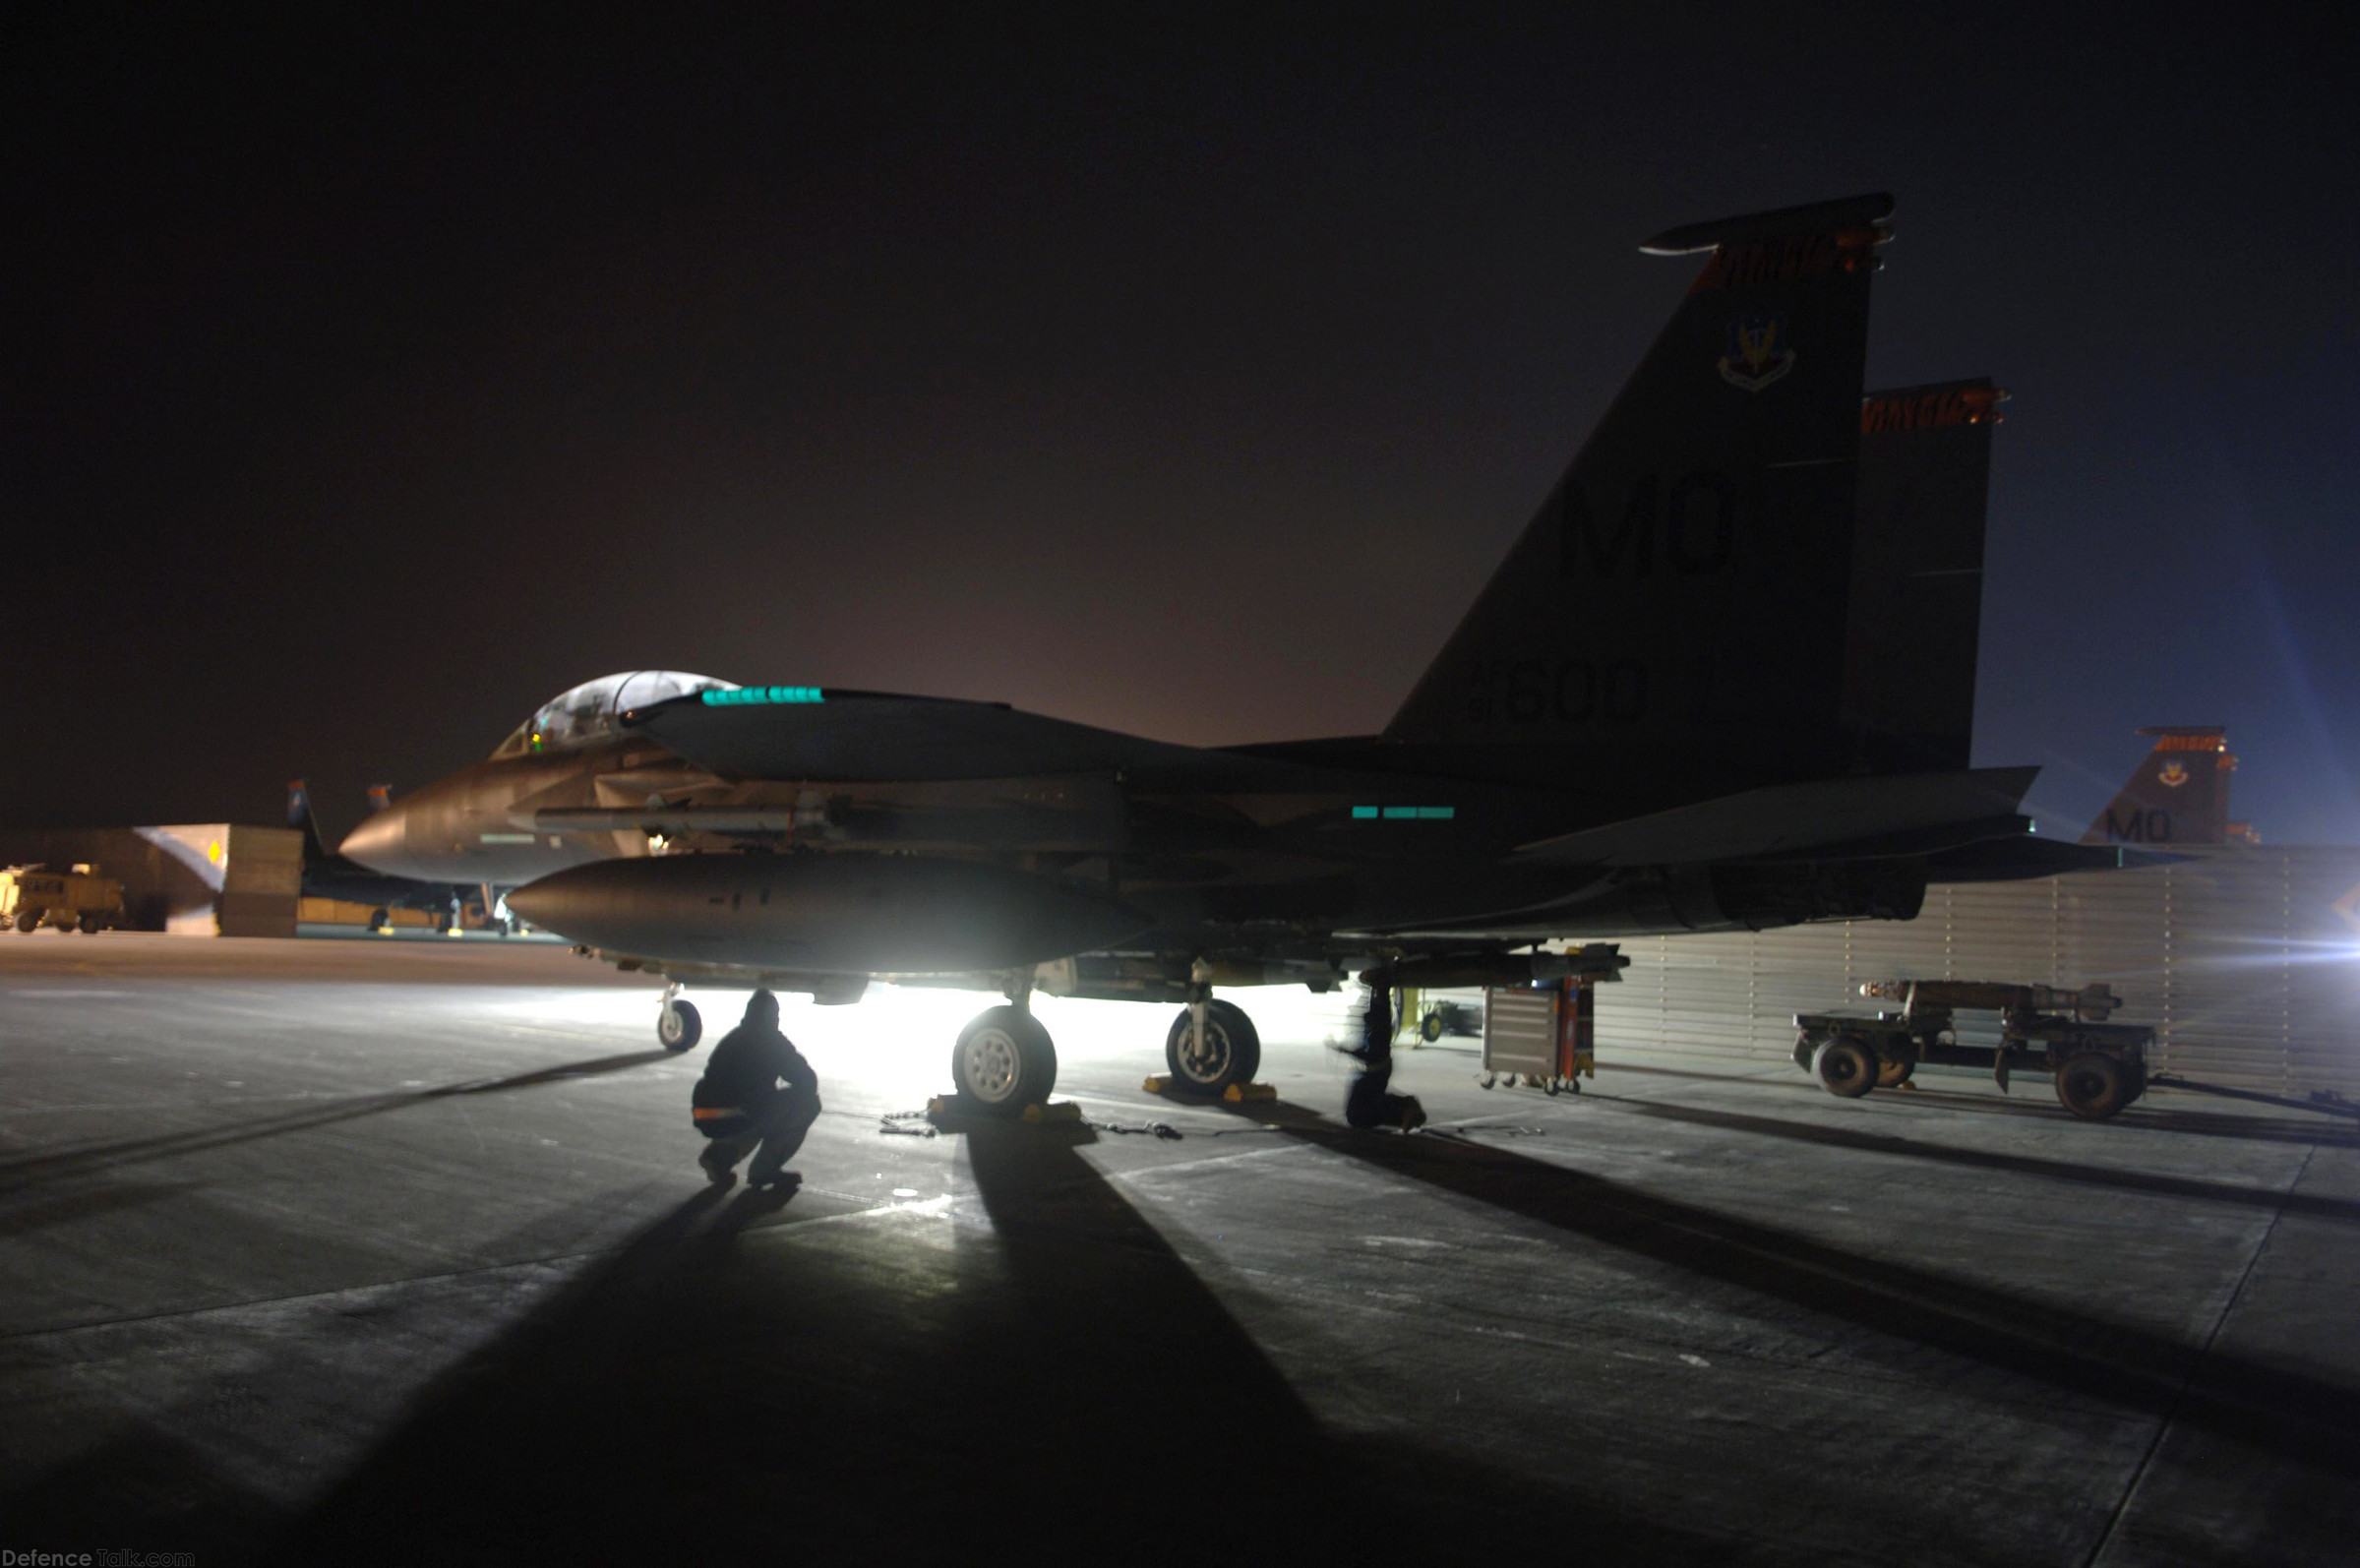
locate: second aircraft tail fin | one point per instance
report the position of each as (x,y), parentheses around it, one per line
(1917,575)
(2180,793)
(299,817)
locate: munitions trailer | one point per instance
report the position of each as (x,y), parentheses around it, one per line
(2099,1066)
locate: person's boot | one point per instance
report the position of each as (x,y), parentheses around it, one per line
(716,1169)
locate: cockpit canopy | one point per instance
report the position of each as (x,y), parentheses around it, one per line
(589,711)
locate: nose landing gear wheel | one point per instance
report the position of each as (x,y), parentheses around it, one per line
(1003,1062)
(678,1028)
(1230,1051)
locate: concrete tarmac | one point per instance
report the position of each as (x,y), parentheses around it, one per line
(316,1252)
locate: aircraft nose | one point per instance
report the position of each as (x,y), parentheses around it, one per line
(380,842)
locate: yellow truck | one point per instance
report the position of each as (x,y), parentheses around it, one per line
(33,896)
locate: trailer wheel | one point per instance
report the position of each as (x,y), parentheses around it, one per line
(29,921)
(2094,1085)
(1845,1067)
(1893,1074)
(1805,1045)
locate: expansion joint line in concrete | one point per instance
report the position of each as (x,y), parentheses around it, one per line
(2171,1413)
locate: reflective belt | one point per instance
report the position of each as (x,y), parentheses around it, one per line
(716,1112)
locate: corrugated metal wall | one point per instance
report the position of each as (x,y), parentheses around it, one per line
(2235,954)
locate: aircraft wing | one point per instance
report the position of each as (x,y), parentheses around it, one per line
(1913,814)
(828,735)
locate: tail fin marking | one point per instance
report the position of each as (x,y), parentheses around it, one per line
(1678,602)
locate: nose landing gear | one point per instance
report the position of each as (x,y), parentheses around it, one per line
(678,1027)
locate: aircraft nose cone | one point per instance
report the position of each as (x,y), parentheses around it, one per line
(380,842)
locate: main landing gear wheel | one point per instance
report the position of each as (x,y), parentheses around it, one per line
(1230,1051)
(2094,1085)
(678,1027)
(1845,1067)
(1003,1062)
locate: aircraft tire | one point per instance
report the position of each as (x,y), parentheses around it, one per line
(1845,1066)
(1234,1051)
(1003,1062)
(2094,1085)
(679,1027)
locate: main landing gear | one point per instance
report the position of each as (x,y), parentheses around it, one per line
(1211,1046)
(1003,1061)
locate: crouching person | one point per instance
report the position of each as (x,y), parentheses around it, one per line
(757,1097)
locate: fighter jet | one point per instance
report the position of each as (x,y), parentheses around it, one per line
(337,876)
(1723,681)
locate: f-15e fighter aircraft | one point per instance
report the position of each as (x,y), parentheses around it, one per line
(1725,680)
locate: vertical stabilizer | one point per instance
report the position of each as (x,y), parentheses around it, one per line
(1917,575)
(1677,609)
(299,817)
(2180,793)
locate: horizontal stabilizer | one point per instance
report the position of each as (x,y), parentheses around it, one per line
(1813,217)
(865,736)
(1790,819)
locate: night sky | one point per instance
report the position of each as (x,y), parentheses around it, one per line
(367,386)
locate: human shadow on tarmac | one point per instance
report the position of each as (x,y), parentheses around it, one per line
(2279,1411)
(1033,1371)
(81,1159)
(1990,1158)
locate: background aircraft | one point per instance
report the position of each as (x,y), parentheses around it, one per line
(1724,679)
(329,874)
(2179,792)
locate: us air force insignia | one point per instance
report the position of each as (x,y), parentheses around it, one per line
(2172,775)
(1758,353)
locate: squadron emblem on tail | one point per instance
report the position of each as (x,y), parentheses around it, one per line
(1758,353)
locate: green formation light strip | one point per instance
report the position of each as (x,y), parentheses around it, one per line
(1404,813)
(754,696)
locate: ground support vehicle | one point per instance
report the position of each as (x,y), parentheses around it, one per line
(1428,1019)
(2099,1068)
(33,896)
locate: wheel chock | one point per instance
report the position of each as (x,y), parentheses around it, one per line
(1056,1112)
(1239,1093)
(1156,1083)
(940,1105)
